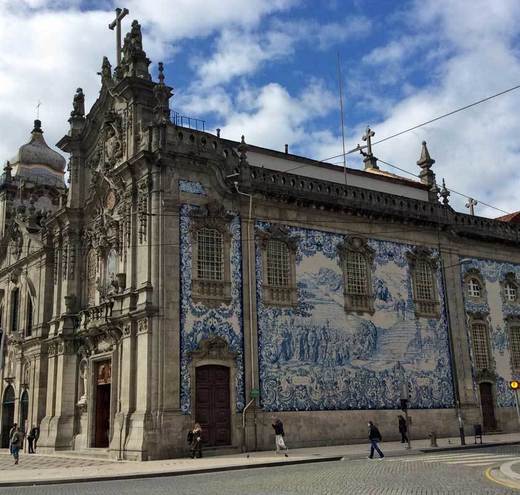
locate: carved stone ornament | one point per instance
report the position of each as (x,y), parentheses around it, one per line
(142,326)
(486,375)
(214,348)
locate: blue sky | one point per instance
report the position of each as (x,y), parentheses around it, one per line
(267,69)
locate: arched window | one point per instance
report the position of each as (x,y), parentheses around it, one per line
(92,262)
(29,316)
(357,280)
(278,270)
(510,287)
(479,337)
(210,256)
(474,288)
(15,308)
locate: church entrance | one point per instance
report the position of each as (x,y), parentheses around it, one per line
(102,411)
(24,412)
(488,409)
(212,405)
(7,415)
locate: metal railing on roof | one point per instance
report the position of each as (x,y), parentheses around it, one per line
(189,122)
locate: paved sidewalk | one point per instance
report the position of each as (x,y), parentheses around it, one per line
(60,468)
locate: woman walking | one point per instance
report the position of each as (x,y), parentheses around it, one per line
(403,429)
(195,439)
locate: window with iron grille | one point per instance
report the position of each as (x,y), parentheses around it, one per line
(210,259)
(474,288)
(480,346)
(357,280)
(514,334)
(424,282)
(278,269)
(510,292)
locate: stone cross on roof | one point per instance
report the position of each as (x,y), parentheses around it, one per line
(369,134)
(116,23)
(471,205)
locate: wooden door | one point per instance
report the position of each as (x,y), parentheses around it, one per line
(102,415)
(212,408)
(488,409)
(7,415)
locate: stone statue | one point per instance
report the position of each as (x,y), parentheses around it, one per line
(78,104)
(83,379)
(106,71)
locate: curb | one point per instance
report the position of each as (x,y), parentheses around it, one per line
(468,447)
(164,474)
(503,482)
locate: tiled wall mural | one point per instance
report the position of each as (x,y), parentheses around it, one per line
(192,187)
(496,309)
(317,357)
(199,322)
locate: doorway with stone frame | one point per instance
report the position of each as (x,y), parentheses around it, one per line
(102,396)
(213,375)
(489,422)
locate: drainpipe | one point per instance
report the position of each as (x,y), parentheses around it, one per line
(251,253)
(452,350)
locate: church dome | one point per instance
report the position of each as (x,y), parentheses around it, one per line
(36,152)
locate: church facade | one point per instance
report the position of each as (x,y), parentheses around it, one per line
(181,277)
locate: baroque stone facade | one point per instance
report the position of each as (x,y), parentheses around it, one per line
(183,277)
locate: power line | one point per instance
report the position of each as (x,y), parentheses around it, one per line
(465,107)
(453,112)
(451,190)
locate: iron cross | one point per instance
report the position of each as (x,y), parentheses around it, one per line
(471,205)
(369,134)
(116,23)
(38,109)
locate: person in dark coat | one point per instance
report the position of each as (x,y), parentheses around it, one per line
(279,434)
(375,437)
(195,441)
(403,429)
(11,431)
(32,438)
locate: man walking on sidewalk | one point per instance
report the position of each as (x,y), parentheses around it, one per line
(16,442)
(403,429)
(279,434)
(374,436)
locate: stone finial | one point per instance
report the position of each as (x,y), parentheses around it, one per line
(445,194)
(78,104)
(242,148)
(471,205)
(37,127)
(162,94)
(106,72)
(425,162)
(218,132)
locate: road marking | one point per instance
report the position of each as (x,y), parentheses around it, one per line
(487,473)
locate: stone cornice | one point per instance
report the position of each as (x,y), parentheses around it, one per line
(293,188)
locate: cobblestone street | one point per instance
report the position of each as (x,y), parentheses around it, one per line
(441,473)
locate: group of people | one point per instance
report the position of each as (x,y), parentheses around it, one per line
(16,437)
(374,436)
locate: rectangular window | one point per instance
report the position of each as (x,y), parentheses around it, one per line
(15,306)
(515,347)
(277,264)
(424,282)
(210,260)
(28,330)
(356,274)
(480,346)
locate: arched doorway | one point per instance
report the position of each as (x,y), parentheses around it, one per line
(7,415)
(488,409)
(24,412)
(212,404)
(102,411)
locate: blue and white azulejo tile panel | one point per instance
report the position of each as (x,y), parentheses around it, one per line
(496,310)
(318,357)
(199,322)
(192,187)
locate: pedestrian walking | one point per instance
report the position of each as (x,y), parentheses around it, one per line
(375,437)
(403,429)
(279,436)
(11,431)
(195,441)
(32,438)
(15,443)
